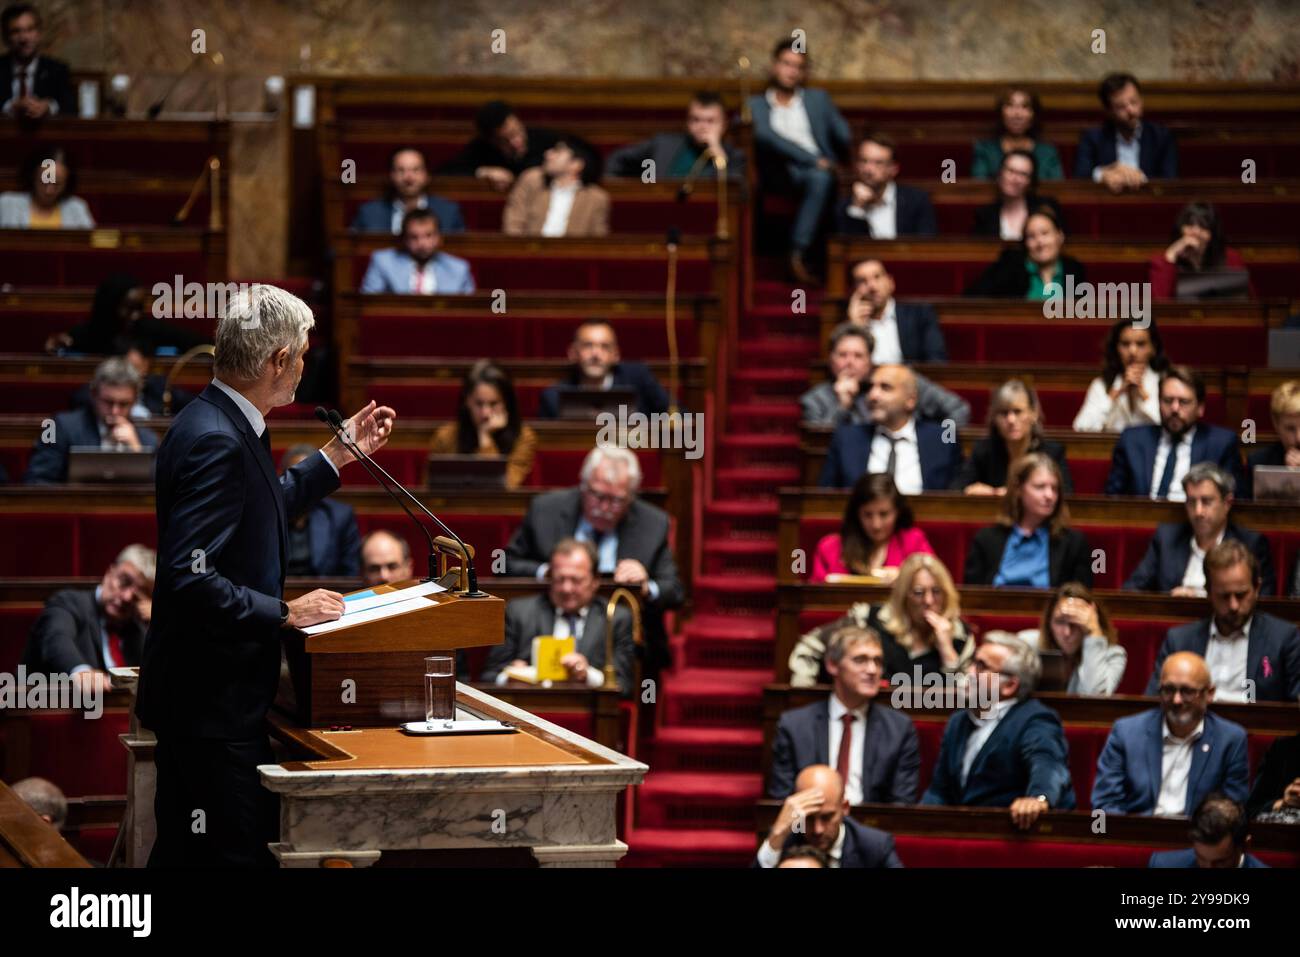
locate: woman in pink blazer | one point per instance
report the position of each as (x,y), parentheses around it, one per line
(875,537)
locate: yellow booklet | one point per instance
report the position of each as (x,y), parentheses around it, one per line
(547,654)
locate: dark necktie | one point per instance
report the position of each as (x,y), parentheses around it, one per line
(22,83)
(846,747)
(892,462)
(1167,476)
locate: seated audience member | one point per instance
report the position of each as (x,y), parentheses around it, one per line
(675,155)
(920,625)
(503,148)
(1219,838)
(488,424)
(844,397)
(1015,429)
(1165,761)
(1016,193)
(1174,561)
(1198,248)
(1010,754)
(114,389)
(1019,130)
(1026,271)
(876,535)
(1252,656)
(917,453)
(120,322)
(631,538)
(153,389)
(1126,150)
(901,331)
(803,855)
(562,197)
(598,364)
(1285,408)
(569,609)
(800,136)
(1033,545)
(418,268)
(1076,624)
(88,632)
(46,198)
(408,189)
(817,814)
(878,205)
(385,558)
(45,798)
(323,541)
(1275,798)
(1151,460)
(1128,390)
(39,85)
(874,746)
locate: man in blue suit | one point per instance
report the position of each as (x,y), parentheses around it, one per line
(1151,460)
(798,131)
(408,184)
(597,364)
(106,424)
(1252,656)
(919,454)
(418,268)
(211,661)
(1164,761)
(1126,150)
(873,746)
(878,205)
(1219,838)
(323,541)
(816,814)
(900,331)
(1012,754)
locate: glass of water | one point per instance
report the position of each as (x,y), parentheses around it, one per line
(439,688)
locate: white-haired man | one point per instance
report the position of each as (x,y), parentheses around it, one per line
(212,655)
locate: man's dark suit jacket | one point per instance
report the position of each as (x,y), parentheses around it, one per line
(850,450)
(919,333)
(334,539)
(913,214)
(988,464)
(1069,559)
(988,218)
(651,397)
(891,757)
(1272,655)
(1129,771)
(1280,767)
(376,216)
(1024,757)
(663,149)
(1008,278)
(212,656)
(1134,457)
(48,464)
(526,618)
(1187,858)
(1272,454)
(68,634)
(1157,151)
(53,82)
(481,151)
(863,847)
(1165,561)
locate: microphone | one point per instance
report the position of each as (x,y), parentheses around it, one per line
(336,422)
(216,59)
(688,184)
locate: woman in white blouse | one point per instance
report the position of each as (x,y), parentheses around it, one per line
(1128,390)
(1076,624)
(49,201)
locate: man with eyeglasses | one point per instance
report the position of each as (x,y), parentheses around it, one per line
(1193,750)
(1010,753)
(105,424)
(630,537)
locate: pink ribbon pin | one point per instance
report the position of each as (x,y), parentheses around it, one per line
(1268,667)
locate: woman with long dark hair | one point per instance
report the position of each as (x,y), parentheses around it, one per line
(1019,127)
(876,535)
(1198,247)
(488,423)
(1128,390)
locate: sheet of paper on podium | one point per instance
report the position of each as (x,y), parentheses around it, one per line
(372,606)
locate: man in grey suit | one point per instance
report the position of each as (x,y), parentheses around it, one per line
(630,537)
(674,155)
(569,609)
(799,131)
(419,267)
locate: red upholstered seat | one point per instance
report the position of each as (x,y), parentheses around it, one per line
(506,335)
(81,756)
(917,851)
(15,623)
(542,272)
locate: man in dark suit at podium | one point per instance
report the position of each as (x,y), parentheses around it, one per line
(211,661)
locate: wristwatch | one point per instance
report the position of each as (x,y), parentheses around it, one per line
(1043,798)
(284,614)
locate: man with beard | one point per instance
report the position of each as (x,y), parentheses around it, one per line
(503,149)
(675,154)
(901,331)
(418,268)
(408,189)
(1166,760)
(816,814)
(597,364)
(878,205)
(1151,461)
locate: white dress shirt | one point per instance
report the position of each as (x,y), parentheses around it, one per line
(255,418)
(857,742)
(423,279)
(1101,413)
(558,210)
(907,461)
(561,629)
(790,122)
(1175,767)
(888,349)
(15,87)
(770,858)
(1182,463)
(1194,574)
(1225,656)
(984,728)
(882,216)
(1127,152)
(399,212)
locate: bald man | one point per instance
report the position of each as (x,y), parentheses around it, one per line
(920,454)
(385,558)
(816,814)
(1193,750)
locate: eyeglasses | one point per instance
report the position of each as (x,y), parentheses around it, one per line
(920,593)
(1168,691)
(601,498)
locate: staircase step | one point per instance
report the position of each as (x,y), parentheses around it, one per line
(741,556)
(695,847)
(768,385)
(708,750)
(685,799)
(777,351)
(753,519)
(754,481)
(713,697)
(766,417)
(743,649)
(730,627)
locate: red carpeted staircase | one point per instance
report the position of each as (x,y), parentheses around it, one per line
(696,807)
